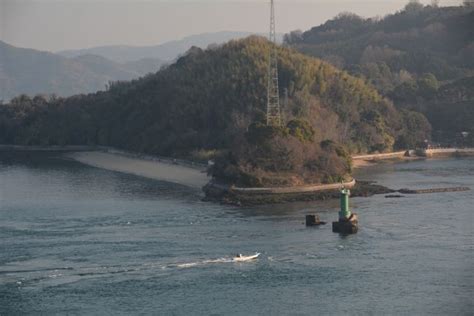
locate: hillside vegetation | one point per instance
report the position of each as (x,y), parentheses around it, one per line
(211,104)
(411,56)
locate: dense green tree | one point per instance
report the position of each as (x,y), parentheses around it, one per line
(417,130)
(413,6)
(301,129)
(428,85)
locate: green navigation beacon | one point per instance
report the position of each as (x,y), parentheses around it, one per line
(348,222)
(345,211)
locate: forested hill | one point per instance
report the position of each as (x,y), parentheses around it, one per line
(407,56)
(213,102)
(417,40)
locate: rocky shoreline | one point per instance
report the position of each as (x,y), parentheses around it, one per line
(192,175)
(221,195)
(361,189)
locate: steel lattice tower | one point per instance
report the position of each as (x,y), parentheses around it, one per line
(273,94)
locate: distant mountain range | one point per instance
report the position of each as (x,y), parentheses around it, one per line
(166,52)
(29,71)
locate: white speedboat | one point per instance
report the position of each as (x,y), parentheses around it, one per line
(242,258)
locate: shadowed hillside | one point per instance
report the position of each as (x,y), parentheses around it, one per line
(408,56)
(412,42)
(167,52)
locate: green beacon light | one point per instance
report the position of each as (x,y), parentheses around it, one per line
(345,212)
(348,222)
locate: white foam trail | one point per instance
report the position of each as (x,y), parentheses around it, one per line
(220,260)
(187,265)
(204,262)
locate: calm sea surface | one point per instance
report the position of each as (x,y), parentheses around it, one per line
(80,240)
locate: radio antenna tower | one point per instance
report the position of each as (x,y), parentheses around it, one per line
(273,94)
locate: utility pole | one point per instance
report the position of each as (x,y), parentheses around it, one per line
(273,94)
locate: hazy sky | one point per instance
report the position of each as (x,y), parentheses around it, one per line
(66,24)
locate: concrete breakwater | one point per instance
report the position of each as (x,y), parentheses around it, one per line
(256,196)
(430,152)
(435,190)
(433,152)
(297,189)
(392,155)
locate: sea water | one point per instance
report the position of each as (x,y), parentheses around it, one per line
(81,240)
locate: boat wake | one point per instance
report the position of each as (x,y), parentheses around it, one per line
(239,258)
(204,262)
(64,275)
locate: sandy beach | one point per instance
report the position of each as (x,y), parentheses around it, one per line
(191,177)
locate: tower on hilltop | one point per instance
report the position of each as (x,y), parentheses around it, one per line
(273,94)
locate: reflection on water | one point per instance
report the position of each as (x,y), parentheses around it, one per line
(76,239)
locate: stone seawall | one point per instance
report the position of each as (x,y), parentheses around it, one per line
(435,190)
(448,152)
(297,189)
(397,154)
(258,196)
(433,152)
